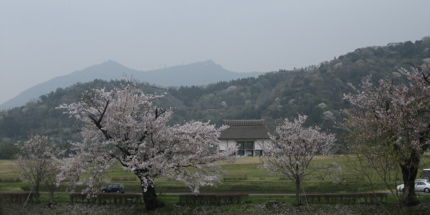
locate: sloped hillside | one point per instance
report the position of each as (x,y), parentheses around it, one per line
(316,91)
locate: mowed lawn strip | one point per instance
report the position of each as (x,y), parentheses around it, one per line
(8,169)
(241,176)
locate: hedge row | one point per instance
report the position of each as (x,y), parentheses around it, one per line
(212,199)
(345,198)
(104,198)
(17,197)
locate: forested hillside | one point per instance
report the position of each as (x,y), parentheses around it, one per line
(316,91)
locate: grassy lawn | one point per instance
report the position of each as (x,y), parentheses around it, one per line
(8,169)
(249,178)
(242,175)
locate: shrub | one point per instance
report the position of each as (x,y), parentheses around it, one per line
(105,198)
(212,199)
(17,197)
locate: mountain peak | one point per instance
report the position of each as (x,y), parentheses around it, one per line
(111,63)
(200,73)
(107,64)
(209,62)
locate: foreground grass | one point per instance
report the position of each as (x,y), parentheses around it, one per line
(262,204)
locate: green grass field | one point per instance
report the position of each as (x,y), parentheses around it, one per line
(8,169)
(242,175)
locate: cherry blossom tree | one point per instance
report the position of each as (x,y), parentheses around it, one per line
(291,151)
(124,126)
(37,163)
(394,116)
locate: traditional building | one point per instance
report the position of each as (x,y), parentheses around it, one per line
(248,135)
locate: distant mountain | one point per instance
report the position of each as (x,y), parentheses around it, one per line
(316,91)
(200,73)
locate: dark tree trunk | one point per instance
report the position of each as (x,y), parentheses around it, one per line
(297,182)
(409,172)
(36,191)
(150,199)
(51,195)
(148,191)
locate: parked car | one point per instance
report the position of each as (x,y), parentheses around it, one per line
(114,188)
(421,185)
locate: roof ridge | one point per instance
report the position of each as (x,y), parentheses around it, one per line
(244,122)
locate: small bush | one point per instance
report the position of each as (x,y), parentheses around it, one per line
(26,188)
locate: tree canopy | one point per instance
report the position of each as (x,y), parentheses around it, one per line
(123,125)
(394,113)
(292,149)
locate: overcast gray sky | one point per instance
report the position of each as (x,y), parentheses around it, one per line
(43,39)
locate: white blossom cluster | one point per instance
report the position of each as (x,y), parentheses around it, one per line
(395,109)
(390,121)
(35,159)
(291,151)
(123,125)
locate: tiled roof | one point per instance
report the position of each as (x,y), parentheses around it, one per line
(245,129)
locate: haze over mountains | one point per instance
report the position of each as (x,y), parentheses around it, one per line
(200,73)
(316,91)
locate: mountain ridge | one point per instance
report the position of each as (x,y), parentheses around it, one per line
(199,73)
